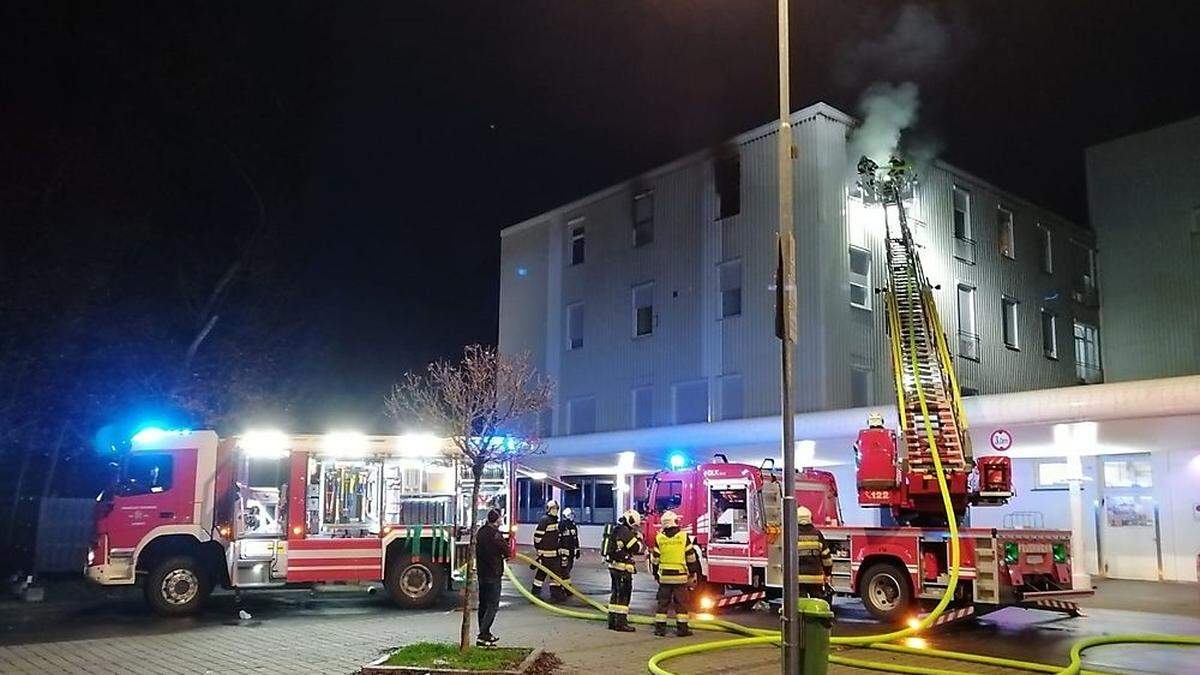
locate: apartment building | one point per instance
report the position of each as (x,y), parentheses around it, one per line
(651,304)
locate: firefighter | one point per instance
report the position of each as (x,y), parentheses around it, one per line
(816,563)
(545,545)
(568,546)
(622,543)
(675,562)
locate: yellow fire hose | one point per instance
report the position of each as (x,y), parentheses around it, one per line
(756,636)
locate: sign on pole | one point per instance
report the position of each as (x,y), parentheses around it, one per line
(1001,440)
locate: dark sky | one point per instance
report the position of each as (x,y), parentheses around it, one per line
(410,132)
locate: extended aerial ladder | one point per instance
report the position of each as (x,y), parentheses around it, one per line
(897,471)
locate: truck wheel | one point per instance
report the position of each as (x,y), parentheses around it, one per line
(414,585)
(885,592)
(177,586)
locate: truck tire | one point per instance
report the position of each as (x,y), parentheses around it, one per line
(885,592)
(177,586)
(414,585)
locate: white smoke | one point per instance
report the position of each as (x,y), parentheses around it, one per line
(887,110)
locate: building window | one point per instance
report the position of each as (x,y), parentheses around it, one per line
(593,500)
(578,245)
(1128,473)
(860,386)
(962,213)
(643,407)
(1006,235)
(581,415)
(1051,474)
(968,337)
(732,401)
(730,274)
(575,326)
(1087,353)
(1085,269)
(860,278)
(729,186)
(643,309)
(690,402)
(1010,312)
(643,218)
(1047,249)
(1049,335)
(532,496)
(968,391)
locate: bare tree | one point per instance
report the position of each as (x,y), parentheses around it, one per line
(487,405)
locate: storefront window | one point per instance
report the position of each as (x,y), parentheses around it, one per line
(1125,473)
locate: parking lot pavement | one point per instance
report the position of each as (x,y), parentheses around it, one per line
(87,630)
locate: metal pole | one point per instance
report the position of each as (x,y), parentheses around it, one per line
(786,280)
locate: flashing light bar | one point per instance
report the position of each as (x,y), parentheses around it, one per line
(151,435)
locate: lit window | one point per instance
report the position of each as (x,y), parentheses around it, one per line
(968,337)
(578,245)
(962,213)
(1126,473)
(643,407)
(729,186)
(860,278)
(1087,353)
(1047,249)
(643,218)
(581,415)
(1010,309)
(1006,234)
(690,402)
(731,288)
(732,403)
(1051,474)
(643,309)
(575,326)
(1049,335)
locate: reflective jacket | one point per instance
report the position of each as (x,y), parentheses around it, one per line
(545,537)
(815,560)
(568,538)
(674,557)
(623,544)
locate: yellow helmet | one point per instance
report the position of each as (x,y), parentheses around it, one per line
(669,519)
(803,516)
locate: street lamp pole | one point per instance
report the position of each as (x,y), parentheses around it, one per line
(785,280)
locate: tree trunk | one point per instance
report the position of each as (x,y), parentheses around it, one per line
(464,635)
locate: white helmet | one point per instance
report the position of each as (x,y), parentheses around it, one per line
(632,518)
(803,516)
(874,420)
(669,519)
(551,507)
(567,513)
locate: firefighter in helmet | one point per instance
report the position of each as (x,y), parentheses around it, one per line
(545,545)
(568,549)
(675,562)
(816,563)
(622,543)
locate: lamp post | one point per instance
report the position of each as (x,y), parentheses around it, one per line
(785,329)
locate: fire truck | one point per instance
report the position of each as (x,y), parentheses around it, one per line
(188,511)
(733,510)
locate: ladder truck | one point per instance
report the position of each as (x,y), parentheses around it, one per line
(899,569)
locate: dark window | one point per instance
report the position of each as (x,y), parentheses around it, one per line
(581,415)
(962,213)
(531,499)
(731,288)
(729,186)
(968,391)
(733,405)
(575,326)
(1011,314)
(643,309)
(860,278)
(1006,241)
(1049,335)
(578,245)
(593,500)
(860,386)
(1047,250)
(643,218)
(691,402)
(668,495)
(643,407)
(146,474)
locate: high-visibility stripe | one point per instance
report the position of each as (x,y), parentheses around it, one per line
(810,578)
(809,544)
(622,567)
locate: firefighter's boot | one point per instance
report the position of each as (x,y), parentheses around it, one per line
(681,629)
(612,620)
(622,625)
(660,628)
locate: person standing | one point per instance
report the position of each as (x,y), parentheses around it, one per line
(545,545)
(624,542)
(568,548)
(491,550)
(816,562)
(676,566)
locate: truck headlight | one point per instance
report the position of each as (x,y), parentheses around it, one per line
(91,557)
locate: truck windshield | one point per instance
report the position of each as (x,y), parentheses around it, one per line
(668,494)
(145,473)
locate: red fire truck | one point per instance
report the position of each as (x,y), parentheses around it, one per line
(733,509)
(188,511)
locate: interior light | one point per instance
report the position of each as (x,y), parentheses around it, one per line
(806,451)
(537,475)
(345,443)
(264,443)
(420,445)
(625,461)
(678,460)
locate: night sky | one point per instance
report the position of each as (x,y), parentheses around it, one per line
(397,138)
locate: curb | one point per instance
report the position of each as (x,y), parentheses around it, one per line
(377,667)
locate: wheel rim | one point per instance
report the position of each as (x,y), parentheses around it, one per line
(179,587)
(884,592)
(416,581)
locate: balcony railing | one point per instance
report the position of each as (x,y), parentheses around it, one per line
(968,345)
(964,249)
(1088,373)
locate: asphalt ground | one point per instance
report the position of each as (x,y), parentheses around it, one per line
(79,618)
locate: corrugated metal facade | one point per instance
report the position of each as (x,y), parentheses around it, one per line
(1144,200)
(691,342)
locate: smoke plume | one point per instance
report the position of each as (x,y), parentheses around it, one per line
(887,110)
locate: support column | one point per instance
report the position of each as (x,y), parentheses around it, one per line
(1079,574)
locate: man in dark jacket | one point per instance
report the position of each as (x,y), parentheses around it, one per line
(545,545)
(816,563)
(568,548)
(622,544)
(491,550)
